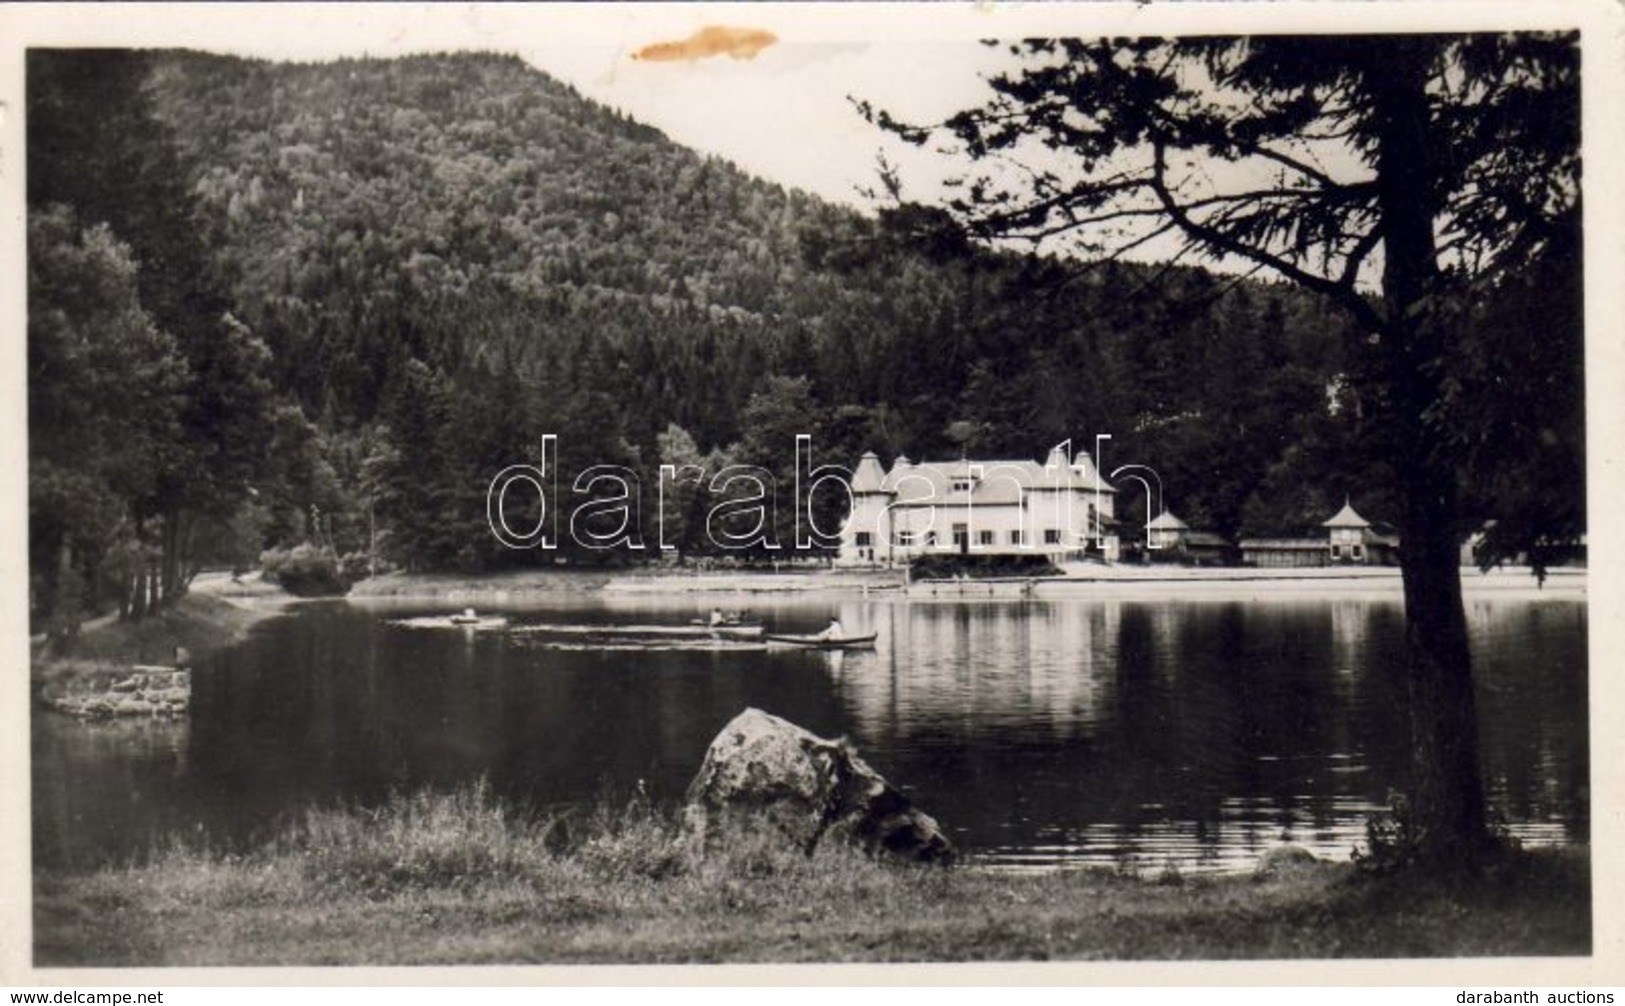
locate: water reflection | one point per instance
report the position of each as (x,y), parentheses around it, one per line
(1038,731)
(1200,733)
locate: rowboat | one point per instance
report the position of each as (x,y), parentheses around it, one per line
(731,630)
(825,642)
(462,621)
(696,630)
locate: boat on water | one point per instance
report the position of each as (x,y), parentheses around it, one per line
(733,628)
(466,619)
(694,630)
(736,631)
(826,642)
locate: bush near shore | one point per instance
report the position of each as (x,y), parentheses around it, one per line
(981,567)
(463,878)
(307,571)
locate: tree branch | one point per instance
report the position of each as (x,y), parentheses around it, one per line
(1343,292)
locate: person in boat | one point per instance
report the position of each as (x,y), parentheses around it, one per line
(834,630)
(717,618)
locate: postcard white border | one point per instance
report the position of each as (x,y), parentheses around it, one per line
(392,29)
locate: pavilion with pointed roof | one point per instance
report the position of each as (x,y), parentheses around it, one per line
(1169,539)
(1350,540)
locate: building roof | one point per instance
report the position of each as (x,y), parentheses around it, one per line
(991,483)
(1166,521)
(1057,473)
(1205,539)
(1346,517)
(868,477)
(933,482)
(1085,466)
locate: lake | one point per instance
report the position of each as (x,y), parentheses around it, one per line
(1186,730)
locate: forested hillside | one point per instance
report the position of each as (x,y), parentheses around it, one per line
(329,302)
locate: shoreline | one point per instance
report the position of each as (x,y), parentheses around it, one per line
(218,611)
(1080,581)
(119,670)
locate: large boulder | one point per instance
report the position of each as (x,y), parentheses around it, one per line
(1287,861)
(765,772)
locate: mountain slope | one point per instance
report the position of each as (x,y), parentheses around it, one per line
(448,257)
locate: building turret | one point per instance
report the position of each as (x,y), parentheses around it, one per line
(1346,518)
(1085,467)
(869,476)
(1346,533)
(1058,472)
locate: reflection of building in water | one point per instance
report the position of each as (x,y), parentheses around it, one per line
(1200,732)
(1167,623)
(1351,621)
(959,668)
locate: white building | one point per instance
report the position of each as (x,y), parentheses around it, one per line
(1059,508)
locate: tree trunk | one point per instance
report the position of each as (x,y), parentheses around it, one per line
(1446,793)
(169,561)
(137,588)
(67,606)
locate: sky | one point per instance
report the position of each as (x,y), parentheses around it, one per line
(787,113)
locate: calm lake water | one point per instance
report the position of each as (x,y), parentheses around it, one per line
(1039,732)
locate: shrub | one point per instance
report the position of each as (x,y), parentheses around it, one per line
(1394,842)
(305,570)
(353,566)
(943,567)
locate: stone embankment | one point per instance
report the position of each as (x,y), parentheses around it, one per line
(143,691)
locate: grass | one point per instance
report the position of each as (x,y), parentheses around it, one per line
(462,878)
(74,675)
(212,615)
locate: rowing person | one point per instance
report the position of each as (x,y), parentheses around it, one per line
(834,630)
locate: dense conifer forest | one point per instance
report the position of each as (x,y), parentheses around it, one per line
(273,305)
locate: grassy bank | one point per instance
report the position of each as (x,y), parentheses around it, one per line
(216,613)
(474,587)
(461,879)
